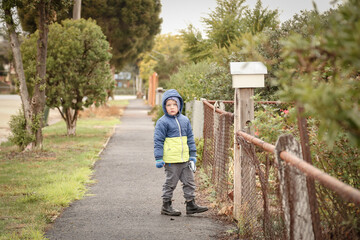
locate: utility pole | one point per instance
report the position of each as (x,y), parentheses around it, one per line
(77,10)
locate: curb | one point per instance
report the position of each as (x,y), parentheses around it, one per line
(107,141)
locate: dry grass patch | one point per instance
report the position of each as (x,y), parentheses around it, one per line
(102,111)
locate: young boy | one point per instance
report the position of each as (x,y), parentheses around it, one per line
(174,148)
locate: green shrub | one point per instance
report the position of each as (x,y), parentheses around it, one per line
(19,135)
(189,81)
(340,160)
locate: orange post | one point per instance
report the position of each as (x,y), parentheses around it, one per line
(153,84)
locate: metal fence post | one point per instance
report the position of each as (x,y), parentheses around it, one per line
(245,77)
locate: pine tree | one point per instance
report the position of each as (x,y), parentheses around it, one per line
(129,25)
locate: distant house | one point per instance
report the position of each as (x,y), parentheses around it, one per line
(123,79)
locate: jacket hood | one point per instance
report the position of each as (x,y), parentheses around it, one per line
(168,94)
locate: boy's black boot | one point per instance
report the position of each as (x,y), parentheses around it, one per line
(167,209)
(192,208)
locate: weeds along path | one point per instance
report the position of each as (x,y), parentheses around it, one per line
(125,202)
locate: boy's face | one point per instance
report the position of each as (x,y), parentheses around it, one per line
(171,107)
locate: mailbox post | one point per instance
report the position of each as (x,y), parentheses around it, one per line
(246,76)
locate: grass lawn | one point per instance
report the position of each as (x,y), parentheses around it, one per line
(36,186)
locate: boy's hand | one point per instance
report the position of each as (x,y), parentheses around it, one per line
(160,163)
(192,159)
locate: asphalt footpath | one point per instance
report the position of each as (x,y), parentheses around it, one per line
(125,202)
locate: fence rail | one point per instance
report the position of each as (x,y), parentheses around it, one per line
(345,191)
(274,185)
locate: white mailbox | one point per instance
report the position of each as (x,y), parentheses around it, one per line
(248,74)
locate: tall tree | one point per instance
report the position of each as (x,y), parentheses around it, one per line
(165,58)
(77,10)
(226,22)
(259,18)
(78,72)
(33,103)
(129,25)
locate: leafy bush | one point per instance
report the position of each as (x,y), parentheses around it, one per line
(269,123)
(321,72)
(19,136)
(189,81)
(219,83)
(340,160)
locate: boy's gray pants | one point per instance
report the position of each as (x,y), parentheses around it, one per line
(175,172)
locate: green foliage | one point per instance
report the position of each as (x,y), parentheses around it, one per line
(130,26)
(19,136)
(261,18)
(251,35)
(218,83)
(78,73)
(307,23)
(340,161)
(321,72)
(28,14)
(190,81)
(225,23)
(165,58)
(270,122)
(226,26)
(339,218)
(197,48)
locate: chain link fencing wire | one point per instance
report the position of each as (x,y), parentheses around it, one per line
(218,143)
(339,218)
(262,212)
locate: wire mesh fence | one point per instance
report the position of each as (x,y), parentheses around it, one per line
(261,202)
(218,142)
(273,194)
(277,209)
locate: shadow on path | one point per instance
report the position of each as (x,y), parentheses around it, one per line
(125,202)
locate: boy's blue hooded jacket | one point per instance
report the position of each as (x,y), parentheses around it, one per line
(173,137)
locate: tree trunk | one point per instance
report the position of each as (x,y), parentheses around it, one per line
(71,119)
(15,47)
(77,10)
(38,99)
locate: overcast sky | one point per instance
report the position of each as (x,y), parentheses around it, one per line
(178,14)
